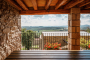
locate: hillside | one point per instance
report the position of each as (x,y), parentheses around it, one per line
(51,28)
(46,28)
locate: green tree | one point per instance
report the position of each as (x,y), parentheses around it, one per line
(88,29)
(27,38)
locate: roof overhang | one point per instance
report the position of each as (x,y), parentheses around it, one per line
(40,7)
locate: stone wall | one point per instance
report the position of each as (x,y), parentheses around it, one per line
(10,27)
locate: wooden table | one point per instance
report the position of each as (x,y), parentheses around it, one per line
(49,55)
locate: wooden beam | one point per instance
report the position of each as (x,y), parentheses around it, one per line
(85,11)
(41,12)
(87,6)
(61,3)
(34,3)
(84,3)
(73,3)
(22,4)
(48,3)
(13,3)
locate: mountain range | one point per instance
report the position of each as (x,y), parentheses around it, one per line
(82,27)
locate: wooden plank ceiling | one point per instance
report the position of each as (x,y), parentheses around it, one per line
(31,7)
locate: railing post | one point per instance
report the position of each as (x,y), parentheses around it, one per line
(42,41)
(28,41)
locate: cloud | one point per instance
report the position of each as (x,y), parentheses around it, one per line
(38,16)
(54,20)
(51,20)
(85,15)
(58,15)
(85,19)
(52,15)
(62,19)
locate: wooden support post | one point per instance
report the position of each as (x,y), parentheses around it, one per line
(74,29)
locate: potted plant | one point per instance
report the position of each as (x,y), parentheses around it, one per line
(89,46)
(52,46)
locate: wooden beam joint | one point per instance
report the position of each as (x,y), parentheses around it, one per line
(22,4)
(34,3)
(48,3)
(72,4)
(61,3)
(13,3)
(84,3)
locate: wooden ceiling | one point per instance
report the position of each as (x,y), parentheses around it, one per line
(30,7)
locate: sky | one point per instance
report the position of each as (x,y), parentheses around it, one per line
(51,20)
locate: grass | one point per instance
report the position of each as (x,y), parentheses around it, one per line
(23,48)
(33,46)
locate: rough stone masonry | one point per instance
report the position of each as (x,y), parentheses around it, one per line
(10,29)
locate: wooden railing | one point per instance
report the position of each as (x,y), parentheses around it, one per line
(85,41)
(37,41)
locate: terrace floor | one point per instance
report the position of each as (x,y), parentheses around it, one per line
(49,55)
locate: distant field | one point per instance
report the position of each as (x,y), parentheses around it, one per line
(40,29)
(51,28)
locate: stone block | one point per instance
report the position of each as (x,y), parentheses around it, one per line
(0,56)
(77,41)
(77,47)
(75,35)
(75,10)
(0,23)
(78,16)
(69,16)
(70,47)
(14,28)
(17,30)
(6,30)
(68,23)
(19,22)
(77,29)
(74,16)
(72,41)
(68,40)
(12,32)
(2,27)
(1,49)
(0,34)
(74,23)
(10,35)
(71,29)
(7,36)
(4,55)
(74,47)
